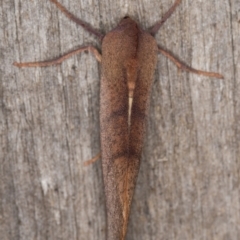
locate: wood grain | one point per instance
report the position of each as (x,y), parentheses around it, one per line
(50,124)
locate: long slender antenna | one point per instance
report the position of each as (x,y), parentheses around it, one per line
(154,29)
(85,25)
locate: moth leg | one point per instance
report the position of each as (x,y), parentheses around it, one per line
(154,29)
(93,160)
(184,67)
(80,22)
(60,59)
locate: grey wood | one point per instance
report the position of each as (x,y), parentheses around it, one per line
(188,185)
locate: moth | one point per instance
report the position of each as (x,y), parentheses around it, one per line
(128,62)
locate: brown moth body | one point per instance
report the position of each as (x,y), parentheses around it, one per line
(128,59)
(125,50)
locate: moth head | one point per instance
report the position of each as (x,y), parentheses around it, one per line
(129,25)
(127,21)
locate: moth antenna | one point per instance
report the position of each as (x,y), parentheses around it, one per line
(154,29)
(78,21)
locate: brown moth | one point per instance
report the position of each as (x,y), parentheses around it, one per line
(129,56)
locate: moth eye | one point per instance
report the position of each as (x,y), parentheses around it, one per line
(126,17)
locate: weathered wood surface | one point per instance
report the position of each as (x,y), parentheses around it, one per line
(188,185)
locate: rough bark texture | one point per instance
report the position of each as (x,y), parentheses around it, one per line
(188,185)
